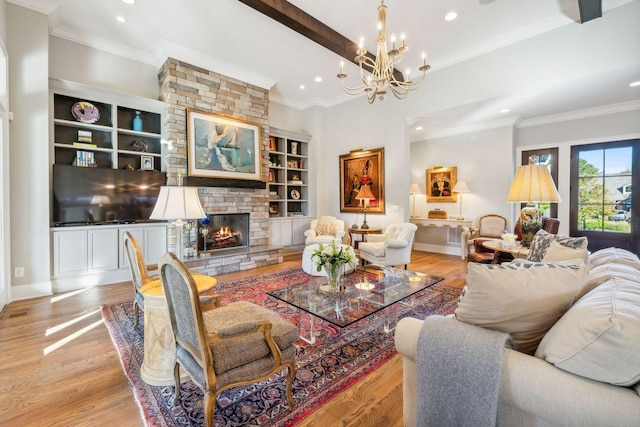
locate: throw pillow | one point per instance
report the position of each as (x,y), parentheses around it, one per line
(558,252)
(599,337)
(524,300)
(542,240)
(615,256)
(326,229)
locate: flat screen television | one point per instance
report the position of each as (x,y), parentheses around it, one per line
(84,196)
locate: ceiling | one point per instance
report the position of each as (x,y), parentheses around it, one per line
(228,37)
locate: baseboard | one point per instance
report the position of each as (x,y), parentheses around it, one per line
(32,290)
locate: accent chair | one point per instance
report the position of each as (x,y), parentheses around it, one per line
(391,248)
(237,344)
(325,229)
(490,227)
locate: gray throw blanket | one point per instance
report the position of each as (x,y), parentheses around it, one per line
(458,373)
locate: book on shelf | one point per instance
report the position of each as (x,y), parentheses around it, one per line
(85,145)
(295,182)
(85,159)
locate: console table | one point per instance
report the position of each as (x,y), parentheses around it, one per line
(463,225)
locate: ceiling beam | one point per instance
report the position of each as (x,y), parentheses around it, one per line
(589,9)
(298,20)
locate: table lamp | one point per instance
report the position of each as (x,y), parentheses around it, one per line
(365,196)
(176,203)
(413,190)
(460,187)
(532,184)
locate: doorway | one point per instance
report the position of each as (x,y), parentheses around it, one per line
(602,207)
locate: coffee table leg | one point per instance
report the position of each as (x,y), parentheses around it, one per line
(312,337)
(390,318)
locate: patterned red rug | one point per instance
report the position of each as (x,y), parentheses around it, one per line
(337,360)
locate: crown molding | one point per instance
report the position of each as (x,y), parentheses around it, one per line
(581,114)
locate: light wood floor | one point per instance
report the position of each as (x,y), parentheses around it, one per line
(58,366)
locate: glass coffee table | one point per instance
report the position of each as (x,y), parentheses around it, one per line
(362,294)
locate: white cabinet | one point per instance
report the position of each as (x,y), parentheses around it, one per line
(288,231)
(70,252)
(101,253)
(100,249)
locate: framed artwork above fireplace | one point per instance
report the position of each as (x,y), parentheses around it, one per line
(219,147)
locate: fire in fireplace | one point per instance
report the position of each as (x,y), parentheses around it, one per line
(219,231)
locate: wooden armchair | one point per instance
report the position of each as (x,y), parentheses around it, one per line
(238,344)
(490,226)
(143,281)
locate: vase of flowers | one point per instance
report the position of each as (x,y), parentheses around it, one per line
(332,258)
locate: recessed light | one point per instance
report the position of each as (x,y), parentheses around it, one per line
(419,128)
(504,110)
(302,87)
(318,79)
(634,84)
(129,1)
(121,19)
(450,16)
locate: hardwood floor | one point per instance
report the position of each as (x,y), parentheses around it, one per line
(58,366)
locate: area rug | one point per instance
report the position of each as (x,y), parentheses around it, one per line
(337,360)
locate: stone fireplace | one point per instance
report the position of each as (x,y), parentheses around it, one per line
(223,231)
(184,87)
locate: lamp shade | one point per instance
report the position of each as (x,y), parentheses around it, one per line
(533,183)
(414,189)
(178,203)
(460,187)
(365,193)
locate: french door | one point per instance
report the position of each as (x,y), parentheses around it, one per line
(602,207)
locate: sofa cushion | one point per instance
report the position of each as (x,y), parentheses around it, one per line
(523,299)
(600,274)
(326,227)
(614,256)
(599,337)
(542,240)
(558,252)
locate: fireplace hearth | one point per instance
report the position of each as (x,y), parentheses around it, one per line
(222,231)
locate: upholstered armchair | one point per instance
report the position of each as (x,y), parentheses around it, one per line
(490,226)
(325,229)
(391,248)
(237,344)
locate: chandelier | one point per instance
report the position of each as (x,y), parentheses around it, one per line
(378,76)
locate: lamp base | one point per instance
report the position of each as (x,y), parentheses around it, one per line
(530,222)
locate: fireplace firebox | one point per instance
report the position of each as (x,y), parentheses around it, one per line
(222,231)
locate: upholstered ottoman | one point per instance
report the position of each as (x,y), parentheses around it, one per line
(310,267)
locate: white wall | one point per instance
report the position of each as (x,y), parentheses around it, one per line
(81,64)
(29,146)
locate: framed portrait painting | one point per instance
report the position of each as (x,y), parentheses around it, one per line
(361,171)
(218,147)
(440,182)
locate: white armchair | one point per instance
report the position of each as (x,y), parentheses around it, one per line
(391,248)
(325,229)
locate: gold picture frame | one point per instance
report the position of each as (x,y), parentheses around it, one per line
(218,147)
(353,167)
(440,182)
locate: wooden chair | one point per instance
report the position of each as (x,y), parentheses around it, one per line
(238,344)
(142,281)
(490,226)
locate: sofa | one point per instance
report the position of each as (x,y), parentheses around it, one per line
(574,357)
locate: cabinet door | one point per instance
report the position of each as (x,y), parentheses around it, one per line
(154,244)
(103,250)
(137,234)
(275,233)
(69,252)
(299,226)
